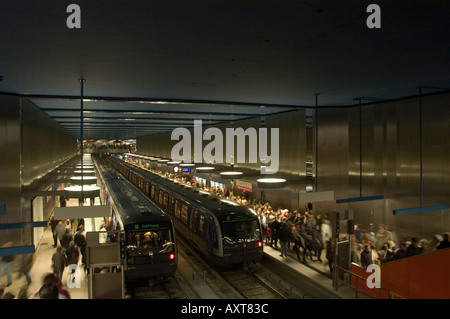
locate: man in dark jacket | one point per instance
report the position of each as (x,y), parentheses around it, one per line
(445,243)
(284,234)
(275,226)
(366,256)
(80,241)
(413,249)
(67,238)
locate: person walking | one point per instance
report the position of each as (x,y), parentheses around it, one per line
(7,264)
(26,261)
(73,257)
(59,263)
(80,240)
(60,230)
(67,238)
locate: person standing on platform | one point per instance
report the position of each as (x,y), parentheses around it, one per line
(326,230)
(318,242)
(274,224)
(53,224)
(330,252)
(62,201)
(103,236)
(366,256)
(283,236)
(445,243)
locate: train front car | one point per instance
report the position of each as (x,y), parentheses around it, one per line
(150,249)
(242,239)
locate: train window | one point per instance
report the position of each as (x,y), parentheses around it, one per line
(201,224)
(166,200)
(184,213)
(152,192)
(144,246)
(193,220)
(177,208)
(147,187)
(236,231)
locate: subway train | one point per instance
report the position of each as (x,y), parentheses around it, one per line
(223,232)
(150,239)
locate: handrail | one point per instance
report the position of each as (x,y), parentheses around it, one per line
(357,290)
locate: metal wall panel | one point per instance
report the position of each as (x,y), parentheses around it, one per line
(390,163)
(390,155)
(10,165)
(31,145)
(45,144)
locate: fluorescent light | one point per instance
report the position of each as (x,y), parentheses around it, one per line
(271,182)
(230,174)
(204,168)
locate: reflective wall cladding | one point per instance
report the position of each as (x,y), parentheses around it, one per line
(379,155)
(10,165)
(389,162)
(31,144)
(45,144)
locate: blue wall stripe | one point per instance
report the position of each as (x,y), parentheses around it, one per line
(358,199)
(2,209)
(419,209)
(19,250)
(23,225)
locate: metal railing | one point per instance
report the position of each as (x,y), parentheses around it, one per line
(358,291)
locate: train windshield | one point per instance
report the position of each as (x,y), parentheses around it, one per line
(145,244)
(239,231)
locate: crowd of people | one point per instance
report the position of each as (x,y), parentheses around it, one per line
(384,246)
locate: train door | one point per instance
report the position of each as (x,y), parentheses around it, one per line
(216,244)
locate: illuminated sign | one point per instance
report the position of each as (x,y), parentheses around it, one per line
(145,226)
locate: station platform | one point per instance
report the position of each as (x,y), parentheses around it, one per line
(315,275)
(314,271)
(42,265)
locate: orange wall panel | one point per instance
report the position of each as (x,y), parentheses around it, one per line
(424,276)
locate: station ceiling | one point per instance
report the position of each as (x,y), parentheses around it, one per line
(151,66)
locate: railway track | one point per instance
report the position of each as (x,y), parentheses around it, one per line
(250,286)
(168,288)
(250,282)
(253,281)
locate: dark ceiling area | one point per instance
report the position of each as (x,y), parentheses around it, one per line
(152,66)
